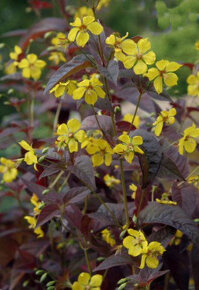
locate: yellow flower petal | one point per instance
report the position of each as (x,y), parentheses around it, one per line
(161,64)
(73,145)
(152,73)
(129,47)
(158,84)
(84,278)
(143,45)
(96,280)
(88,20)
(79,93)
(25,145)
(190,145)
(140,67)
(129,62)
(82,38)
(74,125)
(170,79)
(90,97)
(173,66)
(95,28)
(72,34)
(149,57)
(62,129)
(124,138)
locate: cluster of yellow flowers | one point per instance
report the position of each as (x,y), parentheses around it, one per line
(108,237)
(193,85)
(188,142)
(58,49)
(165,199)
(30,157)
(137,244)
(138,55)
(194,180)
(129,146)
(31,66)
(85,281)
(32,219)
(111,181)
(8,169)
(90,89)
(165,117)
(69,135)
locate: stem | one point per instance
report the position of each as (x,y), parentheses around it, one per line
(112,113)
(65,181)
(98,123)
(124,193)
(87,261)
(56,179)
(137,106)
(57,116)
(85,205)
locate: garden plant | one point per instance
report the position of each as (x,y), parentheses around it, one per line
(99,158)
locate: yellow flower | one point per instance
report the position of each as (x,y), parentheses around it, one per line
(89,89)
(84,11)
(11,68)
(165,117)
(85,281)
(103,154)
(150,254)
(187,142)
(32,225)
(8,169)
(37,204)
(165,199)
(90,144)
(62,88)
(138,55)
(129,147)
(111,180)
(197,45)
(70,134)
(57,57)
(17,51)
(194,180)
(108,238)
(178,237)
(116,42)
(103,3)
(32,66)
(60,40)
(136,242)
(30,157)
(193,85)
(81,28)
(162,201)
(133,187)
(163,73)
(129,118)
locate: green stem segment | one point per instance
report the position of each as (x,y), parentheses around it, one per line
(56,179)
(137,106)
(125,201)
(57,117)
(88,261)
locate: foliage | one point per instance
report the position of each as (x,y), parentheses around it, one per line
(104,175)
